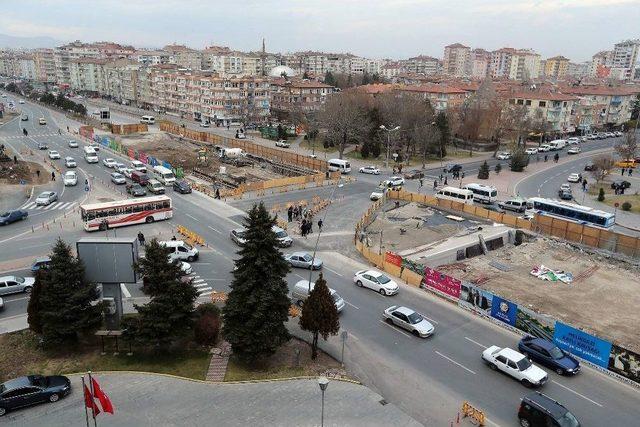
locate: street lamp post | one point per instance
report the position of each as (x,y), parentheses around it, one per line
(383,127)
(323,382)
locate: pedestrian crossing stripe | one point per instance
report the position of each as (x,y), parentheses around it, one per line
(31,135)
(53,206)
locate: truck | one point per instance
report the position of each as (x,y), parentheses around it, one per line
(231,153)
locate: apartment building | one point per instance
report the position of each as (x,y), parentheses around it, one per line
(86,74)
(554,107)
(556,67)
(421,64)
(612,106)
(184,57)
(525,65)
(599,61)
(26,67)
(480,60)
(500,65)
(63,55)
(120,80)
(624,58)
(441,96)
(152,57)
(45,65)
(457,60)
(578,70)
(289,95)
(390,70)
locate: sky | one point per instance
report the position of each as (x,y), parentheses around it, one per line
(372,28)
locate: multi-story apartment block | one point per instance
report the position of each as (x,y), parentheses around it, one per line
(612,106)
(390,70)
(289,95)
(86,74)
(27,67)
(554,107)
(556,67)
(441,96)
(185,57)
(374,66)
(152,57)
(625,57)
(120,80)
(63,55)
(578,70)
(525,65)
(599,61)
(421,64)
(45,65)
(457,60)
(500,65)
(480,60)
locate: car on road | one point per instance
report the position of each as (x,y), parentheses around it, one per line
(182,187)
(589,166)
(42,121)
(371,170)
(238,235)
(573,140)
(394,181)
(13,216)
(40,263)
(117,178)
(126,172)
(70,178)
(550,355)
(544,148)
(30,390)
(42,146)
(530,151)
(70,162)
(155,186)
(618,133)
(204,124)
(611,135)
(282,143)
(377,281)
(21,101)
(378,193)
(54,155)
(409,320)
(16,284)
(302,289)
(620,184)
(503,155)
(119,167)
(574,150)
(413,174)
(565,186)
(303,260)
(73,144)
(46,198)
(109,162)
(24,118)
(514,364)
(537,409)
(592,136)
(136,190)
(452,167)
(139,166)
(574,177)
(186,267)
(95,146)
(241,135)
(565,195)
(284,241)
(516,204)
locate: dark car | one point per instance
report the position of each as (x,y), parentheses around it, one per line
(31,390)
(452,168)
(41,263)
(565,194)
(182,187)
(589,166)
(494,208)
(539,410)
(414,174)
(13,216)
(620,184)
(136,190)
(550,355)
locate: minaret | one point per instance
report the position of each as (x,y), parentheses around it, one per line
(263,58)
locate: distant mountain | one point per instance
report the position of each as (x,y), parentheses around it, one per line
(28,42)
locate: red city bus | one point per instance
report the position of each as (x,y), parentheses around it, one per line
(121,213)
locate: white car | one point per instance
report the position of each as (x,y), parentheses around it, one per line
(241,136)
(139,166)
(408,319)
(70,178)
(21,101)
(503,155)
(186,267)
(70,162)
(127,172)
(118,178)
(109,162)
(282,143)
(544,148)
(574,177)
(573,140)
(574,150)
(515,364)
(377,281)
(372,170)
(565,187)
(118,167)
(378,193)
(618,133)
(46,198)
(531,151)
(395,181)
(204,124)
(73,144)
(42,121)
(53,154)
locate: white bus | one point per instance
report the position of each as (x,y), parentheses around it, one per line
(164,175)
(339,165)
(101,216)
(482,193)
(149,120)
(557,144)
(456,194)
(571,211)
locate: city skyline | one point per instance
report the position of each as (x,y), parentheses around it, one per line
(353,27)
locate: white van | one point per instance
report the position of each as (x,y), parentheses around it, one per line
(181,250)
(164,175)
(149,120)
(482,193)
(339,165)
(456,194)
(139,166)
(301,292)
(557,144)
(90,155)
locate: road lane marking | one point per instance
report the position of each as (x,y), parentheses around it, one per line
(347,302)
(192,217)
(12,300)
(454,362)
(217,231)
(296,274)
(394,328)
(334,272)
(576,393)
(125,291)
(475,342)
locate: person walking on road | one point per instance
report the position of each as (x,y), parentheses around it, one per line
(38,173)
(320,225)
(421,182)
(445,181)
(435,184)
(545,157)
(556,157)
(217,194)
(622,171)
(290,213)
(141,238)
(630,170)
(53,176)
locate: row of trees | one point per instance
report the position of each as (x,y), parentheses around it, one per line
(64,103)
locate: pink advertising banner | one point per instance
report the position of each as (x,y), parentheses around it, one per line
(441,282)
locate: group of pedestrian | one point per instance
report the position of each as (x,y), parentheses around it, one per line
(306,228)
(629,171)
(295,213)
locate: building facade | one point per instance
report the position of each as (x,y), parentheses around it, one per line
(556,67)
(457,60)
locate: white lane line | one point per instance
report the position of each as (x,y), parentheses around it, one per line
(217,231)
(347,302)
(300,276)
(475,342)
(125,291)
(16,299)
(29,205)
(394,328)
(204,294)
(576,393)
(71,205)
(209,288)
(454,362)
(63,206)
(192,217)
(334,272)
(51,206)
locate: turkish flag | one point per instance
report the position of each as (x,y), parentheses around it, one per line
(105,402)
(89,402)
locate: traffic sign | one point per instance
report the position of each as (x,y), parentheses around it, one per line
(616,204)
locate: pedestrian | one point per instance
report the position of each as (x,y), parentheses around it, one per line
(320,225)
(445,181)
(38,173)
(556,157)
(15,159)
(174,238)
(421,182)
(290,213)
(217,194)
(309,226)
(545,157)
(435,184)
(440,177)
(141,238)
(462,175)
(303,227)
(53,176)
(630,171)
(59,131)
(622,171)
(67,128)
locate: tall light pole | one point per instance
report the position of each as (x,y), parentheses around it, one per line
(383,127)
(323,382)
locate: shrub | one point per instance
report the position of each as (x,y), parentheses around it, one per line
(626,206)
(207,308)
(483,172)
(601,195)
(207,329)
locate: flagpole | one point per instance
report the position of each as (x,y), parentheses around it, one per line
(95,423)
(86,414)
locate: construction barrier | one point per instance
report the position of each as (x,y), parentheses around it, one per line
(192,237)
(471,412)
(294,311)
(218,297)
(128,129)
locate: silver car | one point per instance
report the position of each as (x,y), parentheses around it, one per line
(408,319)
(46,198)
(16,284)
(118,178)
(237,235)
(303,260)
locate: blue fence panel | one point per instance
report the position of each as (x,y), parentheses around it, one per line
(582,344)
(167,165)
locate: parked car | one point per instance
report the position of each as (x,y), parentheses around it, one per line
(620,184)
(54,155)
(531,151)
(574,177)
(573,140)
(284,241)
(24,118)
(119,167)
(618,133)
(118,178)
(126,172)
(42,121)
(589,166)
(40,263)
(31,390)
(204,124)
(409,320)
(503,155)
(46,198)
(136,190)
(139,166)
(21,101)
(241,135)
(377,281)
(16,284)
(413,174)
(372,170)
(565,186)
(283,144)
(517,205)
(70,162)
(544,148)
(237,235)
(537,409)
(303,260)
(13,216)
(565,194)
(574,150)
(514,364)
(452,167)
(550,355)
(109,162)
(70,178)
(73,144)
(182,187)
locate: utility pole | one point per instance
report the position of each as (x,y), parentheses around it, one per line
(383,127)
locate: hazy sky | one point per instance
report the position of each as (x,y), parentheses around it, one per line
(373,28)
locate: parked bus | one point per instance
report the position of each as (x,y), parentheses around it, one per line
(455,194)
(482,193)
(580,214)
(100,216)
(339,165)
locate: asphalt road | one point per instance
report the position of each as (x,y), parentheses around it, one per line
(429,378)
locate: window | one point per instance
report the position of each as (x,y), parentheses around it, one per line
(542,103)
(511,364)
(528,102)
(400,316)
(520,102)
(501,359)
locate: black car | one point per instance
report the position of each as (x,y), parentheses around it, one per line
(620,184)
(452,168)
(182,187)
(589,167)
(31,390)
(548,354)
(136,190)
(539,410)
(13,216)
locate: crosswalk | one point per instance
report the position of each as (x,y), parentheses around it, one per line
(31,135)
(57,206)
(201,286)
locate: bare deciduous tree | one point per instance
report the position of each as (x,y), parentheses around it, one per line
(344,117)
(602,165)
(628,147)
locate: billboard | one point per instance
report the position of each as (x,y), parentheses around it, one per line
(475,298)
(504,310)
(625,363)
(108,260)
(536,324)
(441,282)
(391,258)
(582,344)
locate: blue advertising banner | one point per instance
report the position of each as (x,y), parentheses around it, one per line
(504,310)
(167,165)
(582,344)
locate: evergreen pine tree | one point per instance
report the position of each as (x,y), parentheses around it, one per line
(319,314)
(601,195)
(483,172)
(329,79)
(442,123)
(519,160)
(34,317)
(155,268)
(64,300)
(498,168)
(258,305)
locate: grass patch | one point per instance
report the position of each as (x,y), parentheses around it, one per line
(319,147)
(610,198)
(23,346)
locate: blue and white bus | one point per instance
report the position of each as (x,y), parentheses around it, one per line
(580,214)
